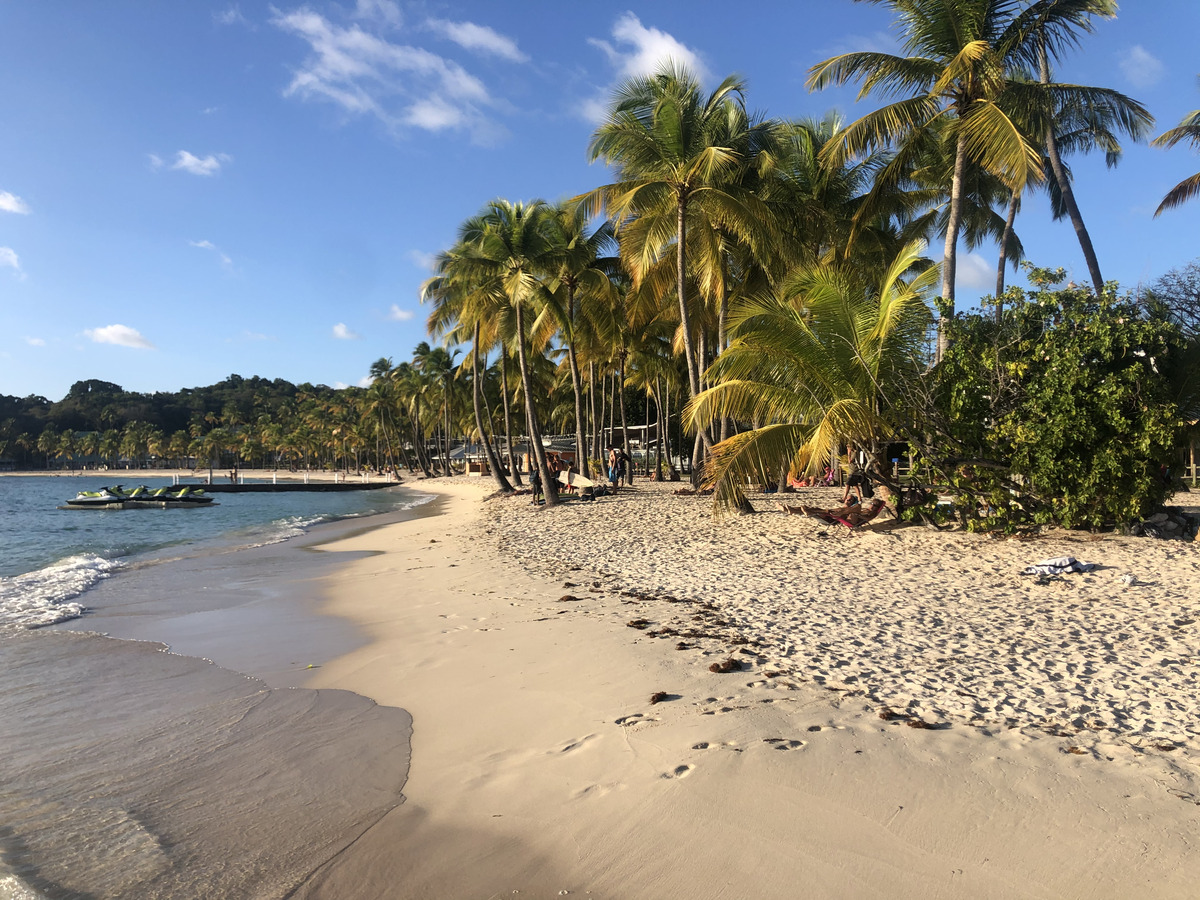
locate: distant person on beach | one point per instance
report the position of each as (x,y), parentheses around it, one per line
(858,483)
(535,480)
(852,514)
(614,467)
(623,464)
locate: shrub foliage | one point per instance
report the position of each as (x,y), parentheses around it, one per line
(1056,407)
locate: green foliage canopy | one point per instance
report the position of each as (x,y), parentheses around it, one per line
(1062,412)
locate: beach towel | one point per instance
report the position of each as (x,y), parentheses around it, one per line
(1059,565)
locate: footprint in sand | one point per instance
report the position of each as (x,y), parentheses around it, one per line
(679,771)
(635,719)
(576,744)
(783,743)
(721,745)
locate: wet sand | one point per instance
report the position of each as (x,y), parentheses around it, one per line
(177,757)
(541,763)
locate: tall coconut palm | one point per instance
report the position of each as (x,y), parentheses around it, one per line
(960,64)
(1096,114)
(676,156)
(462,304)
(514,245)
(813,364)
(438,364)
(580,285)
(1187,130)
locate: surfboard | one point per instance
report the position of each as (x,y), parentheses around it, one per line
(575,480)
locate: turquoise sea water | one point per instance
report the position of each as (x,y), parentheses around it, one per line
(180,759)
(52,556)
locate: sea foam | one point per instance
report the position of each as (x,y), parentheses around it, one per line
(49,595)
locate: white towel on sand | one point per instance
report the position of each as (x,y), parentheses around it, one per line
(1059,565)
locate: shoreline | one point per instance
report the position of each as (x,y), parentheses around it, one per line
(540,764)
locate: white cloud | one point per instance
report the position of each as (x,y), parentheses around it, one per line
(226,262)
(384,11)
(421,259)
(975,272)
(231,16)
(396,314)
(365,381)
(470,36)
(1141,68)
(13,204)
(343,333)
(35,342)
(186,162)
(642,51)
(401,85)
(121,335)
(9,258)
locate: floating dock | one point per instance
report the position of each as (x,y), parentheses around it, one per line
(284,487)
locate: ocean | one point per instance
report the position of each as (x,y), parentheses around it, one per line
(155,739)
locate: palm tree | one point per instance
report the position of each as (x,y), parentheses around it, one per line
(814,364)
(514,245)
(463,303)
(438,364)
(1187,130)
(961,61)
(678,160)
(1095,113)
(580,286)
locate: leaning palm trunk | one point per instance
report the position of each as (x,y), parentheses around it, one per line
(581,461)
(1064,185)
(950,264)
(535,432)
(501,481)
(513,468)
(446,416)
(1014,201)
(624,421)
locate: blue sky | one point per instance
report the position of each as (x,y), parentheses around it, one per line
(189,190)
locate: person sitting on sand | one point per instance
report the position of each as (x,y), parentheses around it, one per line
(853,514)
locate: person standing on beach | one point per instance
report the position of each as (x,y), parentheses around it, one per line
(614,467)
(535,480)
(623,466)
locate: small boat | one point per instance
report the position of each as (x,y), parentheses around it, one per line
(140,497)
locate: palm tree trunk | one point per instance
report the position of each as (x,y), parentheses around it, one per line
(1064,184)
(662,431)
(595,423)
(446,433)
(684,320)
(950,262)
(722,345)
(501,481)
(581,459)
(1014,201)
(602,393)
(624,422)
(535,433)
(646,433)
(513,468)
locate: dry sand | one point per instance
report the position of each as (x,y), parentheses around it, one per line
(1061,764)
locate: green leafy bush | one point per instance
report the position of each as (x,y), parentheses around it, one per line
(1058,408)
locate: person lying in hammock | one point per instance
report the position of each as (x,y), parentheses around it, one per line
(851,515)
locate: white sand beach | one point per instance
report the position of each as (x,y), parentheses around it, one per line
(1061,760)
